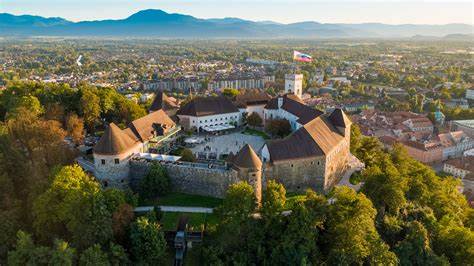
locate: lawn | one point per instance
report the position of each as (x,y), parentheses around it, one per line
(169,220)
(254,132)
(182,199)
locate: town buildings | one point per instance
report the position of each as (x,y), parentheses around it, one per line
(467,126)
(240,81)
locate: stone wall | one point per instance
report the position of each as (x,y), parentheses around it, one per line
(298,175)
(191,180)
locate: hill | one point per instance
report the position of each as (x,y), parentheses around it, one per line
(158,23)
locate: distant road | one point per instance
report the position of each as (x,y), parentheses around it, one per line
(175,209)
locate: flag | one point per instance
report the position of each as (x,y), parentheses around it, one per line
(300,57)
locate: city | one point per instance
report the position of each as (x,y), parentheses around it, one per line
(144,147)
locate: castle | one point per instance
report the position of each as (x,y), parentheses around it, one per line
(315,155)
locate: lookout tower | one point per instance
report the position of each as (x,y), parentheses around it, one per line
(294,84)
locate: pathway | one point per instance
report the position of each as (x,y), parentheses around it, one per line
(175,209)
(85,164)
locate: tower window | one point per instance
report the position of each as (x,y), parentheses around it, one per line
(117,161)
(102,161)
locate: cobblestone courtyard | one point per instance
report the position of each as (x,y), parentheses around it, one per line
(225,144)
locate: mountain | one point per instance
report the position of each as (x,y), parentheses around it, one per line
(158,23)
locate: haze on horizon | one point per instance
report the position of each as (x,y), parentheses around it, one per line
(283,11)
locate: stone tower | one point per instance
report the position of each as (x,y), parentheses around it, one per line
(343,124)
(294,84)
(249,168)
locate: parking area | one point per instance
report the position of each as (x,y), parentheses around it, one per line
(215,146)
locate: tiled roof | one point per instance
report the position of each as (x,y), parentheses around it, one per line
(207,106)
(114,141)
(247,158)
(316,138)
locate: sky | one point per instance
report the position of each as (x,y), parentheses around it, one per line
(284,11)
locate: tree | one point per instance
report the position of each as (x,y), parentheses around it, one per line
(229,92)
(56,210)
(239,202)
(278,127)
(94,256)
(27,253)
(187,155)
(415,248)
(90,104)
(274,200)
(254,120)
(155,183)
(455,242)
(148,242)
(121,220)
(75,128)
(351,236)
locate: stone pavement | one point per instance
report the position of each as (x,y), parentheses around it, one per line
(229,143)
(175,209)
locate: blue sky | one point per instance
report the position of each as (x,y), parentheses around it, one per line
(285,11)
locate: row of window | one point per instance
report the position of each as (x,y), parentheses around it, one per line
(225,118)
(116,161)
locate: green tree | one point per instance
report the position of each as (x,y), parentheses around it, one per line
(229,92)
(187,155)
(56,212)
(274,200)
(254,120)
(155,183)
(278,127)
(351,236)
(90,106)
(94,256)
(148,242)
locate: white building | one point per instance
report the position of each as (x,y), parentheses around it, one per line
(294,84)
(290,106)
(208,114)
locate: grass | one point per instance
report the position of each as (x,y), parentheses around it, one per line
(254,132)
(169,220)
(184,200)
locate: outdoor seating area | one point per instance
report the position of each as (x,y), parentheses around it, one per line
(218,147)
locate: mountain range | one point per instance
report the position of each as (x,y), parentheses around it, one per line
(158,23)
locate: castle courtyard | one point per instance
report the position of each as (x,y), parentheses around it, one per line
(215,146)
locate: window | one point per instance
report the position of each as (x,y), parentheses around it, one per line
(291,165)
(117,161)
(102,161)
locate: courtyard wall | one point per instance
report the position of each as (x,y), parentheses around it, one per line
(187,179)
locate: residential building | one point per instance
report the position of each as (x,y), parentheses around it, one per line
(466,126)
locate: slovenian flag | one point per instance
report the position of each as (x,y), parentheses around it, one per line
(300,57)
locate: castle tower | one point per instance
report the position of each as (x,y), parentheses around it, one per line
(340,120)
(249,168)
(294,84)
(111,156)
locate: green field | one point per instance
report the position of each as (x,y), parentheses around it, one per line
(254,132)
(182,199)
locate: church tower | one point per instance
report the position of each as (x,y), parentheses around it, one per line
(294,84)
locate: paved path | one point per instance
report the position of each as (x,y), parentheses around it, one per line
(355,165)
(175,209)
(85,164)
